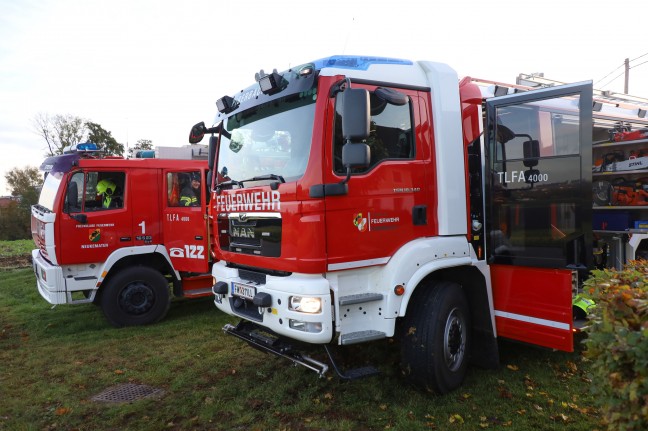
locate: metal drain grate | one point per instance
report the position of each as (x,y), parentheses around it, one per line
(127,392)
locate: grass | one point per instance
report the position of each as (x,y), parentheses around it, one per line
(55,360)
(21,247)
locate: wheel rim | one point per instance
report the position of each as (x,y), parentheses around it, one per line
(136,298)
(454,340)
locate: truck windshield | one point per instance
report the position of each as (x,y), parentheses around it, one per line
(271,140)
(49,190)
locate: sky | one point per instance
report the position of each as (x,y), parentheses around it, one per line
(150,69)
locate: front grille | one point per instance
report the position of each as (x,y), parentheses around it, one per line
(250,233)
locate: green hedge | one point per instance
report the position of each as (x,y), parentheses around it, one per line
(617,344)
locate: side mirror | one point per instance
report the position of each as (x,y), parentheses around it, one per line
(356,155)
(355,114)
(213,140)
(531,152)
(71,198)
(197,133)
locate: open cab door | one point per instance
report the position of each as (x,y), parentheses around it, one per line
(539,209)
(184,220)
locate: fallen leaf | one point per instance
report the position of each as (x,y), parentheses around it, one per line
(456,418)
(328,396)
(119,372)
(62,411)
(513,367)
(411,330)
(504,393)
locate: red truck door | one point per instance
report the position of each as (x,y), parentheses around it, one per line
(538,209)
(386,204)
(184,221)
(95,220)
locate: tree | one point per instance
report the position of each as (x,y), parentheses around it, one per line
(15,219)
(141,145)
(104,139)
(59,131)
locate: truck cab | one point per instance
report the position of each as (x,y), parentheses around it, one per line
(361,198)
(113,232)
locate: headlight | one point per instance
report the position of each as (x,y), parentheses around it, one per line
(305,304)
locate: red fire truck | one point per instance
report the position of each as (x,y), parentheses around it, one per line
(116,232)
(359,198)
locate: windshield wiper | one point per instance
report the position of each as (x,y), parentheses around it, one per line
(266,177)
(273,186)
(220,186)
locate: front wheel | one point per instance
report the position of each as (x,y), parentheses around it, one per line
(435,337)
(135,296)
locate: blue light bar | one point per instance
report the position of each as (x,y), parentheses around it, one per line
(86,146)
(356,62)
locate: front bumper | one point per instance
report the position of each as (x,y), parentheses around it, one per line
(277,316)
(79,286)
(49,279)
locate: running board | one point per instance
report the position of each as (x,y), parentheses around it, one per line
(354,373)
(270,343)
(261,339)
(361,337)
(198,292)
(360,298)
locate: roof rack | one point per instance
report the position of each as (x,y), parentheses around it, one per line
(621,100)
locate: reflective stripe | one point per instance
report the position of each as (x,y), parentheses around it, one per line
(534,320)
(188,201)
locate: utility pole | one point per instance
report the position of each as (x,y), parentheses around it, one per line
(627,75)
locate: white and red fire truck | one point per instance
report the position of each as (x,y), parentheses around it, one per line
(359,198)
(116,232)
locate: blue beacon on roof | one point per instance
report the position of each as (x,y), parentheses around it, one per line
(356,62)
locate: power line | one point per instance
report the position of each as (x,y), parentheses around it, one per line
(613,79)
(622,73)
(643,55)
(632,67)
(622,64)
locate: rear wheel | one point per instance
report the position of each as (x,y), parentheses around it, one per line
(435,338)
(135,296)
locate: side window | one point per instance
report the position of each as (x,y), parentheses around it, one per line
(103,191)
(391,135)
(184,189)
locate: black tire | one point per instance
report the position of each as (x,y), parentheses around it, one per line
(435,337)
(135,296)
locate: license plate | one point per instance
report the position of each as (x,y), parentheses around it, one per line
(243,290)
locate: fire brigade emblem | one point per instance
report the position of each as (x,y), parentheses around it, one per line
(360,222)
(94,235)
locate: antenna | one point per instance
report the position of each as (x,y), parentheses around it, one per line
(346,41)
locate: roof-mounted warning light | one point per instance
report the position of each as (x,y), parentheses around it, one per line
(226,104)
(271,83)
(82,147)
